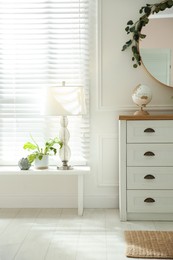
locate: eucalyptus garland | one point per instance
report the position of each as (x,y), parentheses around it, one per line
(135,28)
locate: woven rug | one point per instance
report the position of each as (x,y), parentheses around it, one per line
(149,244)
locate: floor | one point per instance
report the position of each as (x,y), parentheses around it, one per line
(50,234)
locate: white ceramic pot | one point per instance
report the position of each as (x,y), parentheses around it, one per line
(43,163)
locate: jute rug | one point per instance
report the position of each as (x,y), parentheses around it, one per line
(149,244)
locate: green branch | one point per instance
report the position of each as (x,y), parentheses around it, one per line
(134,29)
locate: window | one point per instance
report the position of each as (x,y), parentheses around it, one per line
(42,43)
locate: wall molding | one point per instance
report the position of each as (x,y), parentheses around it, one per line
(99,72)
(100,174)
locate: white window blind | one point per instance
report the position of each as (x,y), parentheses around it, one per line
(42,43)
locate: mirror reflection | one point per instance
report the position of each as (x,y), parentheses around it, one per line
(156,49)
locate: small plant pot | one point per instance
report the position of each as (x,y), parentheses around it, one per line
(43,163)
(24,164)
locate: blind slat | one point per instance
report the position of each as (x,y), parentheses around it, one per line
(42,43)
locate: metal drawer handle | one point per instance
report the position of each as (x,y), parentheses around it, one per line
(149,130)
(149,200)
(149,153)
(149,177)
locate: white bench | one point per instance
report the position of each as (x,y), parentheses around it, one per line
(79,171)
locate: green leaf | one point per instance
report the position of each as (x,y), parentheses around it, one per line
(29,146)
(54,150)
(147,10)
(163,7)
(40,156)
(142,36)
(134,49)
(124,47)
(49,145)
(141,10)
(128,44)
(127,29)
(130,22)
(32,157)
(132,29)
(170,3)
(61,144)
(156,10)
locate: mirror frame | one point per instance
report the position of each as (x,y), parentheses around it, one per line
(135,28)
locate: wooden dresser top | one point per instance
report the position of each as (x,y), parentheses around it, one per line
(147,117)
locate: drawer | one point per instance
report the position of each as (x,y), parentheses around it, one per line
(150,155)
(149,178)
(150,131)
(157,201)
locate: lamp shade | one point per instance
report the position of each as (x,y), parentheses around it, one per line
(64,101)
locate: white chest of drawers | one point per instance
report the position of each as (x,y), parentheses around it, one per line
(146,167)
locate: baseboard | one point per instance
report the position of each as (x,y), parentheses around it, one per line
(56,201)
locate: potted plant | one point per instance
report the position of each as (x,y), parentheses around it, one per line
(41,154)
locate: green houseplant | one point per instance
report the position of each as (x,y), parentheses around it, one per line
(40,154)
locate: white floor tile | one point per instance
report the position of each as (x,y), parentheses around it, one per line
(37,241)
(15,233)
(60,234)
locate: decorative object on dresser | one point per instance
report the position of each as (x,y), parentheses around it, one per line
(146,167)
(64,101)
(141,96)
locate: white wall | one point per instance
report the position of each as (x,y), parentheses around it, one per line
(111,96)
(112,81)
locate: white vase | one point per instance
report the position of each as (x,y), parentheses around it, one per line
(43,163)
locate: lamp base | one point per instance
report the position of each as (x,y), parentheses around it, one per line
(65,166)
(69,167)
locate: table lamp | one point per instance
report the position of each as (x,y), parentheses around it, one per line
(64,101)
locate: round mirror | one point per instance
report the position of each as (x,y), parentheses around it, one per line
(156,49)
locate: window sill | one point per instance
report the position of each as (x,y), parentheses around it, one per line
(52,170)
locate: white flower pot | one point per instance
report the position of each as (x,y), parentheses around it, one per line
(43,163)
